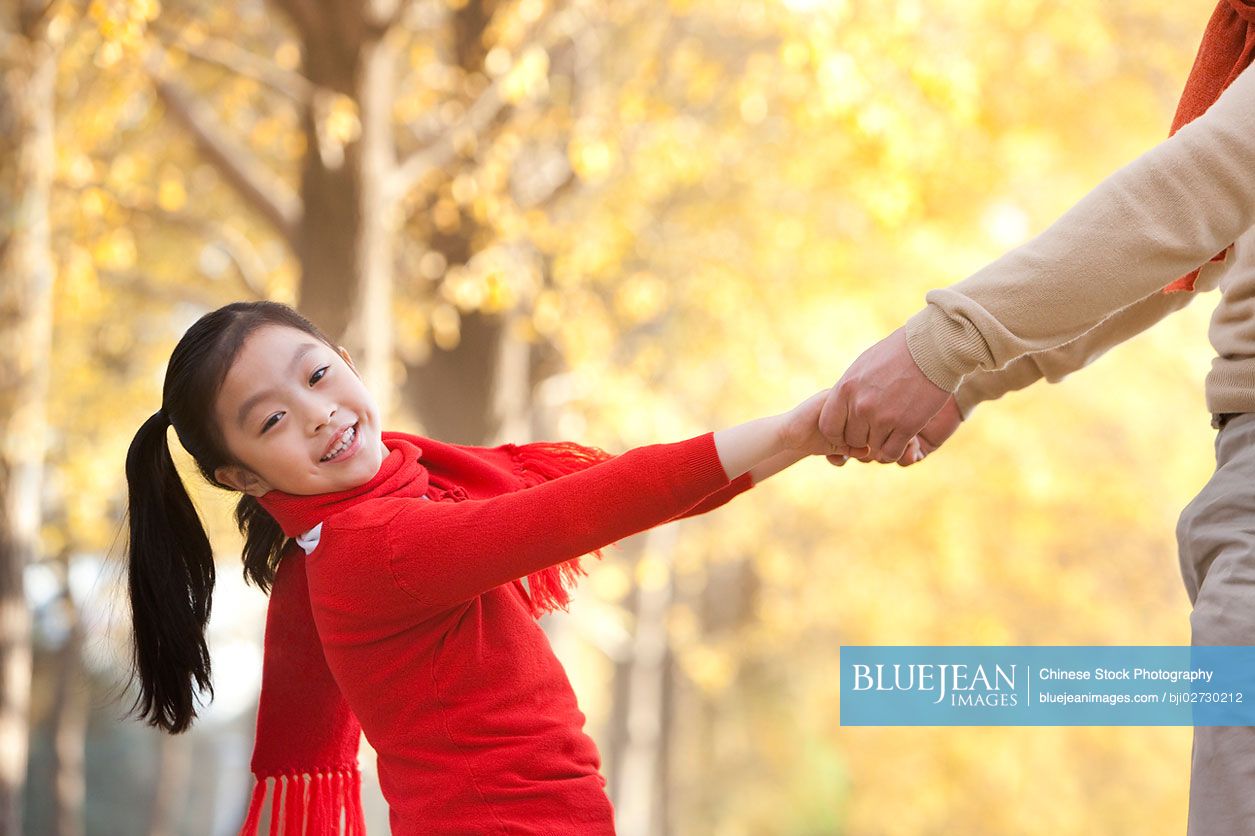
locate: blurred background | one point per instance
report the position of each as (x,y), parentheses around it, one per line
(617,223)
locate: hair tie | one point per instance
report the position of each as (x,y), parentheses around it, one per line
(163,415)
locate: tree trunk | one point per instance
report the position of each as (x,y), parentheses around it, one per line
(69,729)
(372,317)
(174,755)
(27,107)
(345,241)
(639,811)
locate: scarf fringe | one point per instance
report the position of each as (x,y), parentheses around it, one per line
(310,805)
(549,589)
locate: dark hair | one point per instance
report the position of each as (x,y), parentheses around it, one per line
(170,563)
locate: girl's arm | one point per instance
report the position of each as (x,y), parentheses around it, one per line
(723,495)
(775,464)
(796,436)
(441,553)
(745,445)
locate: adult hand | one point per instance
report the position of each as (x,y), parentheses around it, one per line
(881,402)
(940,427)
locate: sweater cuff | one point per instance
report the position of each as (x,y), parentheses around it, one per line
(939,346)
(700,471)
(981,386)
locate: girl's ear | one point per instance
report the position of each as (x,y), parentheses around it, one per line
(242,479)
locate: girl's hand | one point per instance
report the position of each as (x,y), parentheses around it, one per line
(799,427)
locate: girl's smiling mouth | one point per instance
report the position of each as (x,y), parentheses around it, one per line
(342,452)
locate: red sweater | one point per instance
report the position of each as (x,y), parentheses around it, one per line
(427,629)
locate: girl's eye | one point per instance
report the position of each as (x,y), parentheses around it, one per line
(314,378)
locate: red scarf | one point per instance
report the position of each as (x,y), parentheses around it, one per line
(307,736)
(1226,50)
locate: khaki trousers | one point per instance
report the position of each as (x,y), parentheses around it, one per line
(1216,548)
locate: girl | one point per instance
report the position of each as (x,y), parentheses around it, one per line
(398,607)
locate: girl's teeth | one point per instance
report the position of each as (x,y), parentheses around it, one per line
(345,441)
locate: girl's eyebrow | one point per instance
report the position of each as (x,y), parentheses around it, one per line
(256,398)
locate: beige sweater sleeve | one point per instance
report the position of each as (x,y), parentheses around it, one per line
(1157,218)
(1057,363)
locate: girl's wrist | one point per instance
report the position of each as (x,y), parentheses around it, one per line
(745,445)
(774,464)
(780,434)
(795,433)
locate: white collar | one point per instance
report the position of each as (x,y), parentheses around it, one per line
(309,540)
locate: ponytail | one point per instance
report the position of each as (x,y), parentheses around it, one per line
(170,560)
(170,578)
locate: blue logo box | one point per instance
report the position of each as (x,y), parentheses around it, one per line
(1031,685)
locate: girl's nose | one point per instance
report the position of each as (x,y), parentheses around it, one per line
(322,418)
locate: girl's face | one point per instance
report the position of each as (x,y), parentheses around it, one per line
(285,404)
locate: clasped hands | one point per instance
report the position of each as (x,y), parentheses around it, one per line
(882,409)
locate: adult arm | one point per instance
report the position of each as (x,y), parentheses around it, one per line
(1157,218)
(1054,364)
